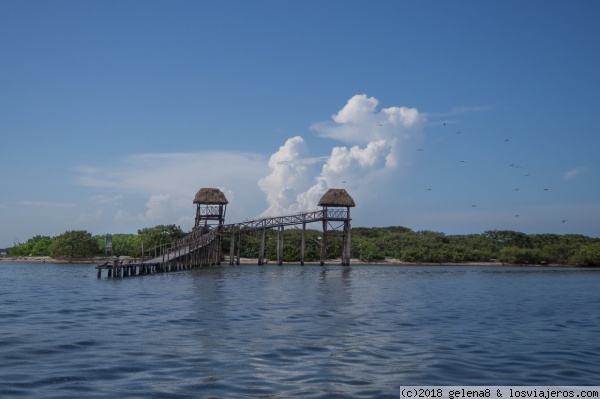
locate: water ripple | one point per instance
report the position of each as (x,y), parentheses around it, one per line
(280,332)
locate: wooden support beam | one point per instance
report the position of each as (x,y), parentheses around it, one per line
(237,262)
(261,253)
(323,256)
(303,244)
(280,245)
(231,248)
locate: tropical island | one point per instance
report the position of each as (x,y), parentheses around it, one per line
(391,245)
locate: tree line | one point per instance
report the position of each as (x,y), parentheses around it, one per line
(81,244)
(367,244)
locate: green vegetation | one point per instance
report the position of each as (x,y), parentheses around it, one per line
(504,245)
(81,244)
(368,244)
(74,244)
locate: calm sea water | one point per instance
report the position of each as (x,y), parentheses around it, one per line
(292,331)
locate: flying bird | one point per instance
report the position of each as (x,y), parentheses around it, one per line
(474,206)
(564,220)
(506,140)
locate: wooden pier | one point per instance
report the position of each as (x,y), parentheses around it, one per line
(194,250)
(202,247)
(119,269)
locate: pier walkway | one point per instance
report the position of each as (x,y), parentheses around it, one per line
(202,247)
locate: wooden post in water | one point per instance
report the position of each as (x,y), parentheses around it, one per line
(346,241)
(237,262)
(231,247)
(323,255)
(261,252)
(280,246)
(303,244)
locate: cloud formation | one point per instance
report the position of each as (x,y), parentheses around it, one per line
(573,173)
(168,182)
(46,204)
(377,143)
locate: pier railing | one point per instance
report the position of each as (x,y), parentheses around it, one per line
(277,221)
(202,247)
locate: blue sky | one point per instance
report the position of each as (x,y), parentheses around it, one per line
(456,117)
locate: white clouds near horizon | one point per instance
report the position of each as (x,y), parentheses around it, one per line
(168,183)
(46,204)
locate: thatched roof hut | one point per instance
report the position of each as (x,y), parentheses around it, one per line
(336,197)
(210,196)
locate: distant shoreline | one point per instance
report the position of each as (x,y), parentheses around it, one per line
(254,261)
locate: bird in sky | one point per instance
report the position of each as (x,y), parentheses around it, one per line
(564,220)
(506,140)
(474,206)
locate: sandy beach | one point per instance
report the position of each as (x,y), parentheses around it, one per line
(254,261)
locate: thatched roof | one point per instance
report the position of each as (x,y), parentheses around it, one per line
(336,197)
(210,196)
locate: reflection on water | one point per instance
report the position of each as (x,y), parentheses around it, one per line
(292,331)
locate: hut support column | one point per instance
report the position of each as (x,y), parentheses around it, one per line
(303,244)
(280,246)
(324,238)
(261,253)
(231,248)
(346,249)
(219,247)
(237,262)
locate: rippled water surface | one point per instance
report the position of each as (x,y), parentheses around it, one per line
(292,331)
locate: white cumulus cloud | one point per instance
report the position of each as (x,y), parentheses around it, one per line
(376,144)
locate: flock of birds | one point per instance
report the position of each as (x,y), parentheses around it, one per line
(512,165)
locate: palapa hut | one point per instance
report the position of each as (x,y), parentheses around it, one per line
(211,205)
(338,199)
